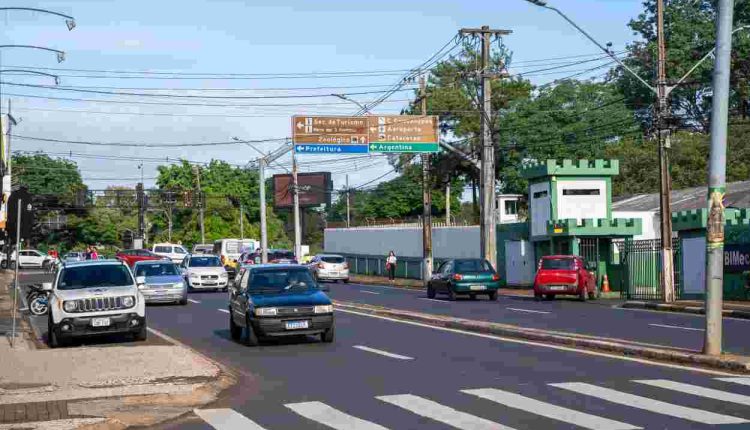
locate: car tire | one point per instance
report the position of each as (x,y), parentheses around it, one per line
(3,264)
(235,331)
(593,295)
(142,334)
(538,297)
(430,291)
(493,296)
(451,294)
(250,338)
(346,281)
(52,339)
(12,265)
(472,296)
(550,296)
(327,336)
(183,301)
(583,295)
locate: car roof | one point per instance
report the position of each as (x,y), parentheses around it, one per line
(107,262)
(277,266)
(330,255)
(154,262)
(558,257)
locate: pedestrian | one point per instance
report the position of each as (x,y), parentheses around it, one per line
(258,256)
(94,254)
(390,266)
(88,252)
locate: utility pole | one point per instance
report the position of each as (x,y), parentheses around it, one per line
(347,202)
(263,227)
(426,198)
(717,180)
(242,224)
(487,176)
(295,194)
(665,180)
(141,212)
(201,202)
(448,203)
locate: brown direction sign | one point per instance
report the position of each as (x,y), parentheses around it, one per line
(335,130)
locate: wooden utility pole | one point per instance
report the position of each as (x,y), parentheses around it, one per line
(295,195)
(487,177)
(348,209)
(426,199)
(665,181)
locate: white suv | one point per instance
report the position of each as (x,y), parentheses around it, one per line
(94,297)
(176,253)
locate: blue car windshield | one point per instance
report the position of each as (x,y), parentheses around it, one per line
(275,281)
(155,269)
(92,276)
(205,262)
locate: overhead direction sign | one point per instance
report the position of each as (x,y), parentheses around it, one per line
(363,134)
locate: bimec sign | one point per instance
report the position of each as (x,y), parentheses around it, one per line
(737,258)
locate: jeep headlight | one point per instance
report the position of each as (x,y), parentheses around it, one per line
(179,285)
(223,275)
(128,301)
(194,275)
(70,306)
(323,309)
(266,312)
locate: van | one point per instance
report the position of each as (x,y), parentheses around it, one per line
(229,250)
(176,253)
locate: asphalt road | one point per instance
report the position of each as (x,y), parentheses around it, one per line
(387,374)
(599,318)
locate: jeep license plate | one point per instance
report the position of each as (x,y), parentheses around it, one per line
(477,287)
(100,322)
(296,325)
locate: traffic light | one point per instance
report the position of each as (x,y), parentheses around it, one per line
(187,198)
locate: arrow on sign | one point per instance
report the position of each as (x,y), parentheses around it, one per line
(300,125)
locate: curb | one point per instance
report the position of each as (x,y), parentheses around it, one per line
(739,364)
(666,307)
(358,280)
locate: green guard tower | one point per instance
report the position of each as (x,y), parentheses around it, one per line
(570,211)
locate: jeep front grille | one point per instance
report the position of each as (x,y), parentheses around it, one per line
(99,304)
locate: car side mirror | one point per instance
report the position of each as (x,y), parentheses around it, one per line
(47,286)
(140,280)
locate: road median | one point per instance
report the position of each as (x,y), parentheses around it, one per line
(730,363)
(685,308)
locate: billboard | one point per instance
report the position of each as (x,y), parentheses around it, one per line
(315,189)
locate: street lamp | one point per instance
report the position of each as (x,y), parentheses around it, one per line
(60,54)
(33,72)
(360,105)
(69,20)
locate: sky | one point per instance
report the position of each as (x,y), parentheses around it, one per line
(214,70)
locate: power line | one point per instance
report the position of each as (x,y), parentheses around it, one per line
(143,145)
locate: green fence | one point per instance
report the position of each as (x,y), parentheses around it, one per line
(642,267)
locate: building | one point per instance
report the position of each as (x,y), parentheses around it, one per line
(507,208)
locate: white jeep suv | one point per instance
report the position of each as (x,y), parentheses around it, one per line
(94,297)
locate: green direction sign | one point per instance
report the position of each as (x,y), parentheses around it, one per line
(403,147)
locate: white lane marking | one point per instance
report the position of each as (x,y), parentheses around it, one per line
(696,390)
(741,381)
(326,415)
(381,352)
(676,326)
(226,419)
(434,300)
(548,410)
(444,414)
(224,310)
(650,405)
(193,301)
(545,345)
(368,292)
(528,310)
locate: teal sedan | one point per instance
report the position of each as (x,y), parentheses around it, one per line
(466,276)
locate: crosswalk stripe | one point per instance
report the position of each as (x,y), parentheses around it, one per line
(737,380)
(226,419)
(326,415)
(698,391)
(517,401)
(647,404)
(444,414)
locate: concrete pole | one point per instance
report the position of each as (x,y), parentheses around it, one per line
(665,180)
(295,194)
(242,224)
(15,280)
(426,199)
(448,203)
(717,179)
(201,203)
(488,157)
(348,209)
(263,226)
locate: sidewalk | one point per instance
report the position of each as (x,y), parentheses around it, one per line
(99,386)
(731,309)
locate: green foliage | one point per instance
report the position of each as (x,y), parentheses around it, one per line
(45,175)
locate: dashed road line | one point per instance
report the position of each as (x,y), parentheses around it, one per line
(193,301)
(384,353)
(528,311)
(677,327)
(223,310)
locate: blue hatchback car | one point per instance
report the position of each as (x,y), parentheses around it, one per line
(272,300)
(160,281)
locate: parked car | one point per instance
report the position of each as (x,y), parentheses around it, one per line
(94,298)
(132,256)
(29,258)
(564,274)
(204,272)
(329,267)
(471,276)
(176,253)
(202,248)
(160,281)
(72,257)
(281,256)
(279,300)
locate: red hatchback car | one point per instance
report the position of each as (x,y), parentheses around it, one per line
(564,274)
(132,256)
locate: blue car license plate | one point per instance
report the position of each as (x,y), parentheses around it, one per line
(297,325)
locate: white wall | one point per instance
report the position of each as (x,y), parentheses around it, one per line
(447,242)
(540,209)
(694,265)
(649,220)
(580,207)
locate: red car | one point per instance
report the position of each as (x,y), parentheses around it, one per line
(564,274)
(132,256)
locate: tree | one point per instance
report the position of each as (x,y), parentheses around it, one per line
(47,176)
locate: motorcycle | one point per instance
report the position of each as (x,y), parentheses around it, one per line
(38,300)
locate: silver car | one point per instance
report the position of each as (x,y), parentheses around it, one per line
(160,281)
(329,267)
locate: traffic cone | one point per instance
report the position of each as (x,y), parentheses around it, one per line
(605,284)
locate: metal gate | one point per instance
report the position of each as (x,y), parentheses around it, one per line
(641,260)
(588,247)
